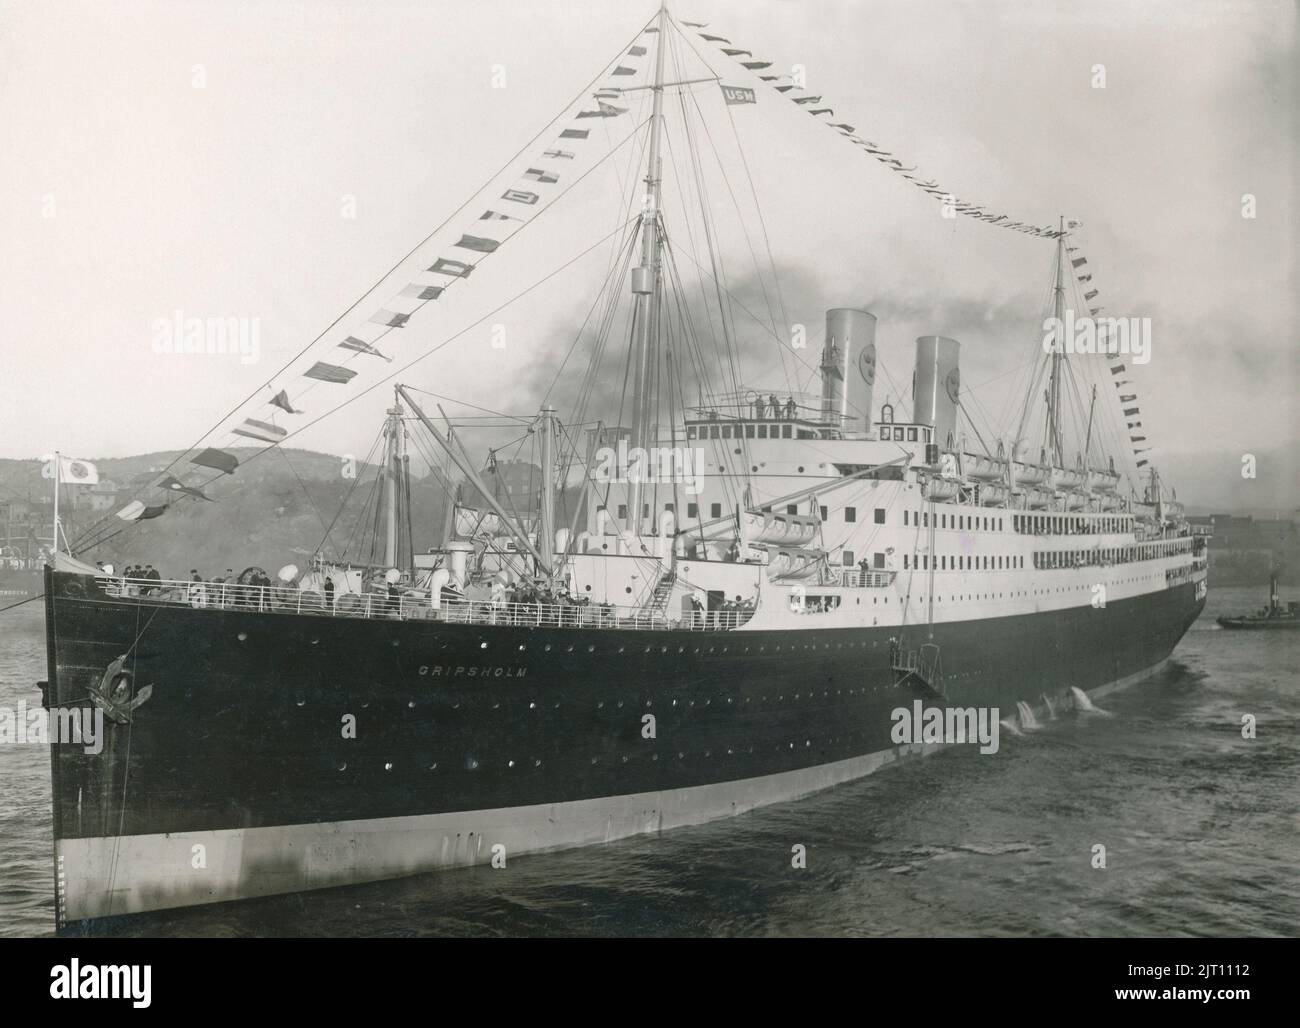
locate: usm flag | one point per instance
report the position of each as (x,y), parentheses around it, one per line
(737,94)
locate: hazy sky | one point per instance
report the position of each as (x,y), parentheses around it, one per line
(203,157)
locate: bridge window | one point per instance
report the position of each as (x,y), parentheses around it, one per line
(762,431)
(785,431)
(911,435)
(726,431)
(690,432)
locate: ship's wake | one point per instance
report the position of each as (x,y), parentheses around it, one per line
(1085,705)
(1025,714)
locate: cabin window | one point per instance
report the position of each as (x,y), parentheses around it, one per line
(622,511)
(943,520)
(690,432)
(762,431)
(898,435)
(925,520)
(715,511)
(645,510)
(880,515)
(670,507)
(905,559)
(749,431)
(911,435)
(848,558)
(692,510)
(792,508)
(785,431)
(877,560)
(726,431)
(714,432)
(850,514)
(824,512)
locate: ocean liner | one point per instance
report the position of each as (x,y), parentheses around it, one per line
(746,588)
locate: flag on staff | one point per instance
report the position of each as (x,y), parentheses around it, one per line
(75,472)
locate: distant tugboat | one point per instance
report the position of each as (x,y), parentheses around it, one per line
(1275,615)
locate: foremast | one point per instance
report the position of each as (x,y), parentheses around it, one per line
(646,284)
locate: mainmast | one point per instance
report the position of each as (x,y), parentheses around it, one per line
(646,285)
(1054,384)
(546,536)
(395,464)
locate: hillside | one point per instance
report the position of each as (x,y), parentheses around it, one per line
(272,511)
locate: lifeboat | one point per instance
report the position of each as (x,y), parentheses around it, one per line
(780,529)
(984,469)
(940,489)
(794,563)
(993,494)
(1070,478)
(1102,480)
(1033,474)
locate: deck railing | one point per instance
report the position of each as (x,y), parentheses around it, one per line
(284,599)
(867,579)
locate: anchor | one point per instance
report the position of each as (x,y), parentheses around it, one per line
(113,694)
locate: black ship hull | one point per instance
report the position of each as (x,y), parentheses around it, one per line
(237,776)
